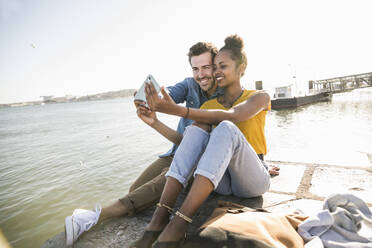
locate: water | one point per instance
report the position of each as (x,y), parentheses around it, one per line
(55,158)
(337,132)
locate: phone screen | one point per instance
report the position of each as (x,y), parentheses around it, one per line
(141,94)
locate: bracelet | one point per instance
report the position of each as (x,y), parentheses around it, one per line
(161,205)
(187,113)
(182,216)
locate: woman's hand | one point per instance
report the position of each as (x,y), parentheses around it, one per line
(164,105)
(146,115)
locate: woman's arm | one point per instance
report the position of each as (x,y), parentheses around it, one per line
(241,112)
(150,118)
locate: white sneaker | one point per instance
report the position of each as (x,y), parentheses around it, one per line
(80,221)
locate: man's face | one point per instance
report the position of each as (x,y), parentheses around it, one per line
(202,69)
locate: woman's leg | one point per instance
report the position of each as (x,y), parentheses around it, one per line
(200,190)
(169,196)
(228,159)
(187,155)
(231,163)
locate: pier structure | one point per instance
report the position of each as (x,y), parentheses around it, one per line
(341,84)
(320,90)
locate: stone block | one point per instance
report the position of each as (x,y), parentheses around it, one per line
(327,181)
(289,178)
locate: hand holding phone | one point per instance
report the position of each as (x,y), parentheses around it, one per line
(141,94)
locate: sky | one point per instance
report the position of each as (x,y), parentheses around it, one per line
(81,47)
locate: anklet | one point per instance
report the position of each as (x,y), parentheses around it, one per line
(181,215)
(161,205)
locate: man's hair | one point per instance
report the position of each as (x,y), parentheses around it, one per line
(202,47)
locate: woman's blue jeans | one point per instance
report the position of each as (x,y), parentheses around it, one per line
(225,157)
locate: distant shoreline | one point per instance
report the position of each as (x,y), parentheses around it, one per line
(66,99)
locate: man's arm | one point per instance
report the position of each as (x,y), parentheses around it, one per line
(150,118)
(241,112)
(178,92)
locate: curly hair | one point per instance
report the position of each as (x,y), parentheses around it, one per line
(234,44)
(202,47)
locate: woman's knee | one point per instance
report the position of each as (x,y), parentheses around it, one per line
(226,127)
(226,124)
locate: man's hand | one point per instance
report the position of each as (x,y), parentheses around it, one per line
(156,103)
(147,116)
(138,103)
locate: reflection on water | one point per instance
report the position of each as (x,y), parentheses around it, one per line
(285,117)
(59,157)
(338,132)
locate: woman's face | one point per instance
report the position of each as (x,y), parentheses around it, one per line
(226,72)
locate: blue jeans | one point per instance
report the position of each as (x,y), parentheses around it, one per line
(225,157)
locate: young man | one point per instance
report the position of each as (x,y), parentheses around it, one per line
(146,190)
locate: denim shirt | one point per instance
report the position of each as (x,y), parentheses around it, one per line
(188,90)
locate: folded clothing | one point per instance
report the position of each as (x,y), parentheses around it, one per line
(345,221)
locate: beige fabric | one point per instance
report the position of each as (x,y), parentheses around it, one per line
(274,229)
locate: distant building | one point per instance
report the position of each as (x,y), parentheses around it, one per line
(47,98)
(70,98)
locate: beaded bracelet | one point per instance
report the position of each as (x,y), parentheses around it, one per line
(181,215)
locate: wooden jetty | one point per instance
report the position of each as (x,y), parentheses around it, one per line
(320,90)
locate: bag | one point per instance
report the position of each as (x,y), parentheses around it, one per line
(233,225)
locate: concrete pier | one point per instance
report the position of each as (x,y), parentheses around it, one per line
(299,186)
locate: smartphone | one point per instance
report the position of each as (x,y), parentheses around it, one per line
(141,94)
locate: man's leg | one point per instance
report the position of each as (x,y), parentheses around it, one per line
(156,168)
(141,197)
(143,193)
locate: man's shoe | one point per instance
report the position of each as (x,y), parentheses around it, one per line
(80,221)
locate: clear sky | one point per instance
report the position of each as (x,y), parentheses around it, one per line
(81,47)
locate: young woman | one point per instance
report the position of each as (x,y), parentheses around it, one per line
(224,158)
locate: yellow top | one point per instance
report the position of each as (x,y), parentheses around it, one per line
(253,129)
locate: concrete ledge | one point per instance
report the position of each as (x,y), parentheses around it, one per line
(299,186)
